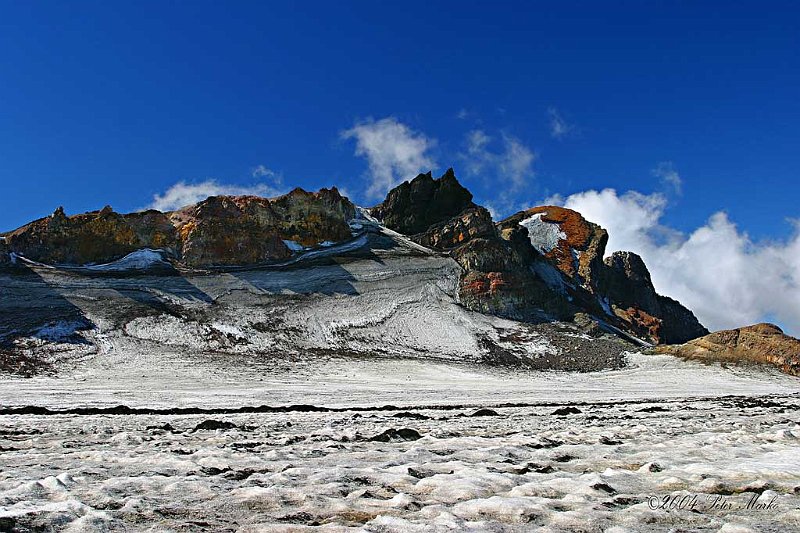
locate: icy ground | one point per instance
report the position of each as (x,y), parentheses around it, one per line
(339,392)
(599,466)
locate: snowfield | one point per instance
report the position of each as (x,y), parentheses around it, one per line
(347,390)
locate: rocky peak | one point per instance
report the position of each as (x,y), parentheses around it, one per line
(574,245)
(412,207)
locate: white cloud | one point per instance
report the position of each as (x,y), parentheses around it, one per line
(513,164)
(510,169)
(668,176)
(717,271)
(394,152)
(261,171)
(559,128)
(182,193)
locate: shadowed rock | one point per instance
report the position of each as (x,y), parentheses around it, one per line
(412,207)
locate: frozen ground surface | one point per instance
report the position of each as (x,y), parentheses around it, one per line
(658,428)
(291,374)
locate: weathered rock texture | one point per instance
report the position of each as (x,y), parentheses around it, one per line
(221,230)
(546,260)
(412,207)
(539,264)
(626,283)
(760,343)
(578,250)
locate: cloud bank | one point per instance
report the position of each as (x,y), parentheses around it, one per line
(182,193)
(726,278)
(394,152)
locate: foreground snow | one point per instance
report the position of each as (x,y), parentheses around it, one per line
(338,391)
(601,467)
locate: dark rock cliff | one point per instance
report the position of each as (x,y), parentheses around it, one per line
(546,260)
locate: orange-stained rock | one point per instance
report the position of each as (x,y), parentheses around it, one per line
(640,323)
(221,230)
(575,245)
(472,223)
(760,343)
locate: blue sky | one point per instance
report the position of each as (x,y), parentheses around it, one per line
(696,103)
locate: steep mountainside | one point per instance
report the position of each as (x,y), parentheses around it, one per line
(545,261)
(427,274)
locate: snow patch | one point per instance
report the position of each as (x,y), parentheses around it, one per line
(138,260)
(293,245)
(544,236)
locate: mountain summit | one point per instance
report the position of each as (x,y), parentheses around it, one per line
(542,264)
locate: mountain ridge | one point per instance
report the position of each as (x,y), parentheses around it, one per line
(543,263)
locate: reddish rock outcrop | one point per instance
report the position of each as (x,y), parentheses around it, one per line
(94,237)
(221,230)
(575,245)
(760,343)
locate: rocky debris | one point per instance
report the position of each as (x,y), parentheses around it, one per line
(626,283)
(221,230)
(761,343)
(16,363)
(563,411)
(575,245)
(391,434)
(212,425)
(5,256)
(413,207)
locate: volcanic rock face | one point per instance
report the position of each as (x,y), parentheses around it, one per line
(571,242)
(546,260)
(221,230)
(412,207)
(627,285)
(472,223)
(97,236)
(760,343)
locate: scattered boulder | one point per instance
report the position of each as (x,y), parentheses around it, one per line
(414,416)
(761,343)
(485,412)
(391,434)
(212,425)
(564,411)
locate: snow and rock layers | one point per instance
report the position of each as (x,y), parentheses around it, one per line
(427,258)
